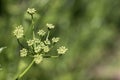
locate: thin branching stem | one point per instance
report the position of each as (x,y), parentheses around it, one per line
(33,26)
(20,43)
(48,35)
(23,73)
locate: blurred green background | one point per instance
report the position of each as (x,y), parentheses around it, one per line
(90,29)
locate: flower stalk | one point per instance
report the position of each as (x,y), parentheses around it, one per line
(23,73)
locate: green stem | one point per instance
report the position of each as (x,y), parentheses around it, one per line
(54,56)
(23,73)
(33,26)
(48,56)
(20,43)
(48,35)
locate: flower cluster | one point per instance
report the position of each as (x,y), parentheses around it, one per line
(18,32)
(55,39)
(62,50)
(31,11)
(38,58)
(50,26)
(40,44)
(41,32)
(23,52)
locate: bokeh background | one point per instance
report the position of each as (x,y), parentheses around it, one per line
(90,29)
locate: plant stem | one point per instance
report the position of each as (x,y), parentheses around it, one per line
(23,73)
(33,26)
(48,35)
(48,56)
(20,43)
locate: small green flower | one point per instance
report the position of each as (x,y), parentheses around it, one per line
(30,42)
(23,52)
(33,41)
(18,32)
(54,40)
(31,11)
(37,48)
(47,42)
(36,40)
(50,26)
(41,32)
(62,50)
(38,58)
(46,49)
(42,44)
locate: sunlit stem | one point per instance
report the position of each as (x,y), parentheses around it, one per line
(23,73)
(48,35)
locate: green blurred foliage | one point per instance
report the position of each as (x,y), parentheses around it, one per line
(89,28)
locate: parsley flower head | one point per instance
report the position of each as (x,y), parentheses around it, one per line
(62,50)
(37,48)
(36,40)
(33,41)
(41,32)
(39,44)
(46,49)
(54,40)
(18,32)
(23,52)
(31,11)
(50,26)
(47,41)
(30,42)
(38,58)
(42,44)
